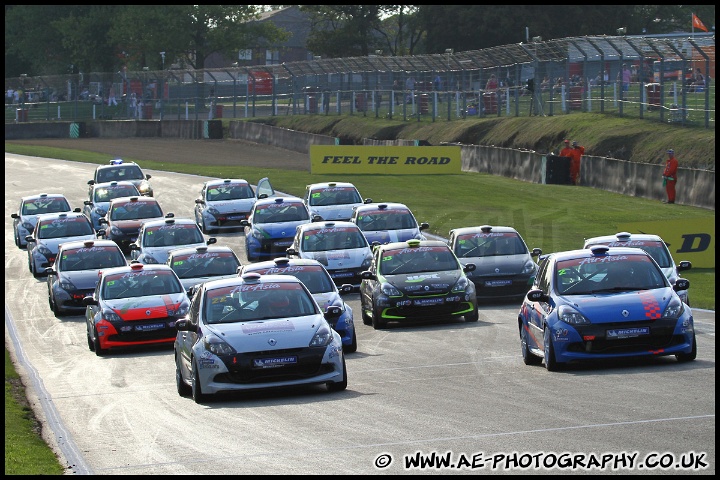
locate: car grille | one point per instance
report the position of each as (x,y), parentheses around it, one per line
(517,287)
(270,246)
(346,275)
(661,336)
(241,371)
(137,335)
(426,312)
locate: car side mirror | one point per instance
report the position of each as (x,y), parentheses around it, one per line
(291,251)
(133,246)
(262,195)
(317,218)
(88,202)
(101,233)
(77,210)
(91,182)
(536,252)
(469,267)
(185,325)
(244,223)
(211,240)
(50,271)
(424,226)
(537,295)
(681,284)
(199,201)
(368,275)
(367,200)
(684,265)
(148,176)
(332,312)
(89,300)
(170,215)
(345,288)
(29,238)
(14,215)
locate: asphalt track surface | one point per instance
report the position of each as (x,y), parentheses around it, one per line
(448,388)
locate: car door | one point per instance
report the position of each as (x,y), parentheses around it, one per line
(186,338)
(538,311)
(264,189)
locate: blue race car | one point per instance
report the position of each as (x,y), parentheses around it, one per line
(270,228)
(603,303)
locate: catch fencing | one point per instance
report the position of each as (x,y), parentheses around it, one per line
(654,78)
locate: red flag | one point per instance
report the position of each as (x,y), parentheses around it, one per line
(696,23)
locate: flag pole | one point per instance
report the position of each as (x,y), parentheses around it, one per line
(692,23)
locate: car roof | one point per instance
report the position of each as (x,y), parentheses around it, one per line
(138,198)
(412,244)
(330,185)
(222,181)
(483,229)
(169,221)
(111,165)
(51,216)
(597,250)
(270,200)
(43,195)
(135,265)
(127,183)
(202,249)
(100,242)
(250,278)
(328,224)
(281,262)
(622,237)
(368,207)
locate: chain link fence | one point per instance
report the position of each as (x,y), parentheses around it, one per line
(665,79)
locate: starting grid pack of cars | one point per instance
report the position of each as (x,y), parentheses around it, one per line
(281,319)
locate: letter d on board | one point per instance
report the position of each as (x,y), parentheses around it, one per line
(703,242)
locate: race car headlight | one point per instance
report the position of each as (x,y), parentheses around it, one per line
(66,284)
(390,291)
(148,259)
(366,262)
(111,316)
(116,231)
(181,311)
(258,234)
(28,226)
(44,251)
(529,267)
(674,309)
(460,285)
(571,316)
(144,187)
(322,337)
(212,211)
(100,212)
(216,345)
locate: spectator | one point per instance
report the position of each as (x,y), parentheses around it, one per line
(577,153)
(698,84)
(410,87)
(567,151)
(111,97)
(625,76)
(670,176)
(397,91)
(558,88)
(545,84)
(10,96)
(492,83)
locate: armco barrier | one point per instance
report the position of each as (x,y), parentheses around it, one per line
(277,137)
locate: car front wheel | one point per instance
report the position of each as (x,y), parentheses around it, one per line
(183,389)
(692,355)
(378,322)
(550,363)
(528,357)
(339,386)
(99,350)
(196,389)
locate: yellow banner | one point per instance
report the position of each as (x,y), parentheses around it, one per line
(692,239)
(387,160)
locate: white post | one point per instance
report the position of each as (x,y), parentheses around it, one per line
(187,111)
(58,112)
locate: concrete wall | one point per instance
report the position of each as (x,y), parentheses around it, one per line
(277,137)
